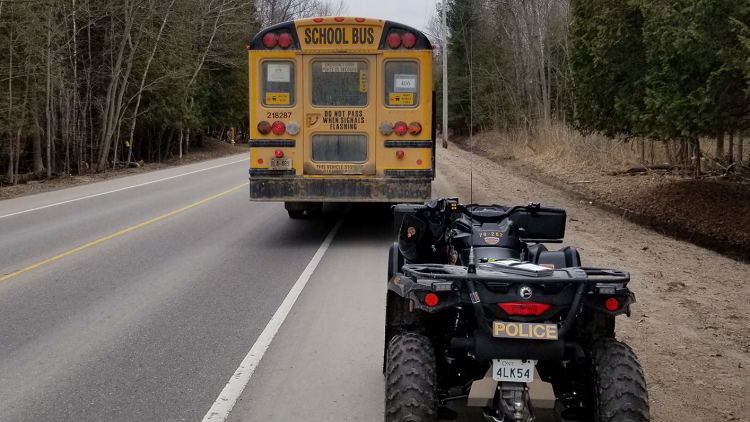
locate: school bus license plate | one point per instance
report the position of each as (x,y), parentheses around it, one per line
(513,370)
(522,330)
(280,164)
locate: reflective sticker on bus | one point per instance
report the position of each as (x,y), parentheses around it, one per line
(339,67)
(277,98)
(362,81)
(278,72)
(401,98)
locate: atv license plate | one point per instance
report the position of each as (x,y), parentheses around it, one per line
(513,370)
(280,164)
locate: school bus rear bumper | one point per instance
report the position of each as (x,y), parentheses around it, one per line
(414,186)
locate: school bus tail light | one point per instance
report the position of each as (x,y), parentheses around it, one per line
(409,40)
(278,127)
(524,308)
(279,153)
(415,128)
(270,40)
(400,154)
(264,128)
(400,128)
(285,40)
(394,40)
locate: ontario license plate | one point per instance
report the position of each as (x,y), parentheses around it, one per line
(280,164)
(513,370)
(523,330)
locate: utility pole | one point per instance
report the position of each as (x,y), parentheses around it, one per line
(445,76)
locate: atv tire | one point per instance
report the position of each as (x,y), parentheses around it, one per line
(410,394)
(619,384)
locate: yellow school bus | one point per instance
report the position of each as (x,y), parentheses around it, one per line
(341,110)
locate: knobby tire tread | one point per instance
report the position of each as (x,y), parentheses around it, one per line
(410,394)
(620,384)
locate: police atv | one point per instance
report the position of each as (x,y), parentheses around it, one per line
(478,309)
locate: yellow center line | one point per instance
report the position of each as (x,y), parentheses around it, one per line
(113,235)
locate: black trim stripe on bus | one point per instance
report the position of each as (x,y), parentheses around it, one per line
(408,144)
(272,173)
(423,43)
(424,174)
(290,27)
(256,143)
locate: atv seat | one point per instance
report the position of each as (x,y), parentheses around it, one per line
(563,258)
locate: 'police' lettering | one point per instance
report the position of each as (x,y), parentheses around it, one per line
(525,330)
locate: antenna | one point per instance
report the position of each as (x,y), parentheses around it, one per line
(472,265)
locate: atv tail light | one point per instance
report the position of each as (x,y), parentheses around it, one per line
(524,308)
(279,153)
(278,127)
(400,128)
(612,304)
(431,299)
(264,128)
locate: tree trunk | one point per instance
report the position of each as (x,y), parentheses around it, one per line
(49,93)
(697,145)
(730,149)
(720,147)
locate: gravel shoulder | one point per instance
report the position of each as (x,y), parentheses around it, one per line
(690,324)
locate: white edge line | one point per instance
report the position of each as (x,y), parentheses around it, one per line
(231,392)
(118,190)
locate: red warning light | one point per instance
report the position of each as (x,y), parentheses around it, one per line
(409,40)
(394,40)
(285,40)
(318,20)
(270,40)
(338,19)
(360,20)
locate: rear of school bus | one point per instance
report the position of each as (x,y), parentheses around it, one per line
(341,110)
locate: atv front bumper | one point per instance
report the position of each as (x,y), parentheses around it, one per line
(264,187)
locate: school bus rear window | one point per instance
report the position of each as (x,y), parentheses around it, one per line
(278,84)
(401,83)
(339,83)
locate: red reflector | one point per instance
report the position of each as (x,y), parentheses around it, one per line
(260,161)
(318,20)
(270,40)
(247,46)
(612,304)
(400,154)
(338,19)
(419,162)
(394,40)
(264,128)
(278,128)
(400,128)
(360,20)
(410,40)
(431,299)
(524,308)
(279,153)
(285,40)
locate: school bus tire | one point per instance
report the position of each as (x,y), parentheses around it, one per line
(619,383)
(410,390)
(296,213)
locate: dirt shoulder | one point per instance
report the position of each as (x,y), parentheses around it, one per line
(710,212)
(690,324)
(211,149)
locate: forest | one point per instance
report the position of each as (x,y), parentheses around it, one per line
(88,84)
(85,84)
(667,72)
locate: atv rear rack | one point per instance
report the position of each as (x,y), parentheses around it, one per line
(458,273)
